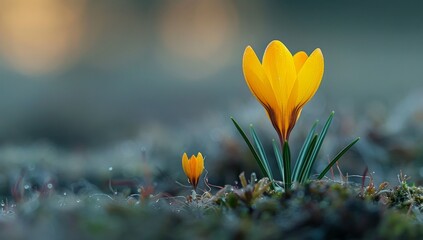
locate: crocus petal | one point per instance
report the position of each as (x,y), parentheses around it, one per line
(193,167)
(309,77)
(278,64)
(260,85)
(299,60)
(256,79)
(200,165)
(291,115)
(185,164)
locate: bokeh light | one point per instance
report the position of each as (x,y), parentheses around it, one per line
(40,36)
(200,34)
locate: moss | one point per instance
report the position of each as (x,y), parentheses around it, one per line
(406,197)
(316,210)
(396,225)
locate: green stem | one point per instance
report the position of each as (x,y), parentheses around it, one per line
(286,165)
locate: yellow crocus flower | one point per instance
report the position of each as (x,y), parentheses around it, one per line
(193,168)
(283,83)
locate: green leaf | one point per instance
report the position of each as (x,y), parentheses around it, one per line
(287,166)
(261,151)
(337,157)
(302,176)
(319,142)
(303,151)
(278,157)
(253,151)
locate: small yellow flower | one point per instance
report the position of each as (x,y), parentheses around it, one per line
(283,83)
(193,168)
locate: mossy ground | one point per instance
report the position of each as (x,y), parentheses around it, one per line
(316,210)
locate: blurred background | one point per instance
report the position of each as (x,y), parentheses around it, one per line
(125,87)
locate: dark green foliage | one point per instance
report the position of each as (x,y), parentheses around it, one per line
(260,161)
(306,158)
(336,158)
